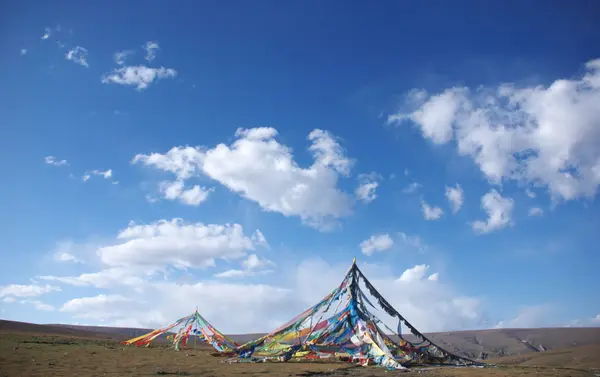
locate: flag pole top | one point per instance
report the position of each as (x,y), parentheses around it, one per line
(354,260)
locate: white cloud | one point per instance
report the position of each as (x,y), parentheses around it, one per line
(412,188)
(176,243)
(220,303)
(255,263)
(368,183)
(78,55)
(99,307)
(151,50)
(9,300)
(47,33)
(121,56)
(253,266)
(417,273)
(455,196)
(424,301)
(107,174)
(412,241)
(530,193)
(139,76)
(23,51)
(586,322)
(38,305)
(435,116)
(175,190)
(262,170)
(106,278)
(377,242)
(431,213)
(536,211)
(33,290)
(499,211)
(51,160)
(529,317)
(62,256)
(546,136)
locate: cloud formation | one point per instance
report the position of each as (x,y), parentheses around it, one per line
(175,191)
(431,213)
(455,196)
(377,242)
(51,160)
(32,290)
(78,55)
(139,76)
(499,212)
(367,184)
(545,136)
(260,169)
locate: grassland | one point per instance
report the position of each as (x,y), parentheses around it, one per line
(36,354)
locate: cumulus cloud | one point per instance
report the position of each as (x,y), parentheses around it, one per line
(499,212)
(78,55)
(139,76)
(417,294)
(151,48)
(417,273)
(455,196)
(221,303)
(377,242)
(260,169)
(51,160)
(431,213)
(545,136)
(175,191)
(252,266)
(101,307)
(367,184)
(536,211)
(176,243)
(17,290)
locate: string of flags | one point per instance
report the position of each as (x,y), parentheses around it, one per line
(340,326)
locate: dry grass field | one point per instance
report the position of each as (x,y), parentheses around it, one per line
(67,352)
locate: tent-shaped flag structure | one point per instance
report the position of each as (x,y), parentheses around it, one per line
(180,331)
(342,325)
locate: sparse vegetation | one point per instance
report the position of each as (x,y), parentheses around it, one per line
(37,354)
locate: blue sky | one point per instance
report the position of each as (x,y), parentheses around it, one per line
(245,153)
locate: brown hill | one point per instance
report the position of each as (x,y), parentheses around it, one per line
(580,357)
(478,344)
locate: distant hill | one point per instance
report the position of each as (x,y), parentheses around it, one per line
(479,344)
